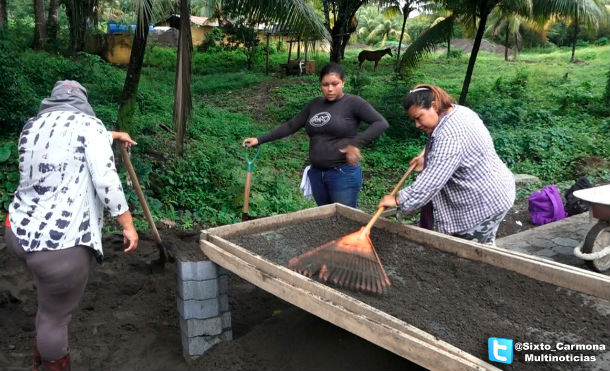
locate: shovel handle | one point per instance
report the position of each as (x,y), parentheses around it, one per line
(376,216)
(247,192)
(136,186)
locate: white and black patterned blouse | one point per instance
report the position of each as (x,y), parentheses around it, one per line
(67,176)
(464,177)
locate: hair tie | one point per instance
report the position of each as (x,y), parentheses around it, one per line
(418,89)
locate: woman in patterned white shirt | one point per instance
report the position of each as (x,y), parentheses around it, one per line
(67,177)
(470,188)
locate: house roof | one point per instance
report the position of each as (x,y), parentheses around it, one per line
(174,21)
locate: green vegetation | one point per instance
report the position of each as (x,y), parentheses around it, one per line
(548,117)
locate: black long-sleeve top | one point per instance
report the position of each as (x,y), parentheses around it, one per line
(331,126)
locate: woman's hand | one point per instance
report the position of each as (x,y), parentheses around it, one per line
(123,137)
(352,154)
(130,239)
(388,201)
(419,161)
(249,142)
(130,235)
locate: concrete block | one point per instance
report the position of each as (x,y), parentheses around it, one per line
(197,271)
(200,309)
(197,345)
(201,327)
(197,290)
(226,335)
(523,179)
(225,320)
(223,284)
(223,303)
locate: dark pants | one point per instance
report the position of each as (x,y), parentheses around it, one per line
(338,184)
(60,277)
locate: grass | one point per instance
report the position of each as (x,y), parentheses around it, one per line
(546,116)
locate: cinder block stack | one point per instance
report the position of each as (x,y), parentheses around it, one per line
(203,303)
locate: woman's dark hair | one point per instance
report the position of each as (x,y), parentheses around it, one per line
(332,68)
(423,95)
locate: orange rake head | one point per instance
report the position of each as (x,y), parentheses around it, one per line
(350,261)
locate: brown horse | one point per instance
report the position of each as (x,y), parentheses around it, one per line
(370,55)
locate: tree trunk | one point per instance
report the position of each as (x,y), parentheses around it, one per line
(474,52)
(506,44)
(405,15)
(77,12)
(52,23)
(183,103)
(516,48)
(573,59)
(335,45)
(40,31)
(345,24)
(127,104)
(3,14)
(449,40)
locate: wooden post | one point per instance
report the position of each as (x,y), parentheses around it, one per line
(289,51)
(267,61)
(299,48)
(306,45)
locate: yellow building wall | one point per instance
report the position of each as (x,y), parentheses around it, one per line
(118,48)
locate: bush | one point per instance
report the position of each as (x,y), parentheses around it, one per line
(515,87)
(212,40)
(602,41)
(456,53)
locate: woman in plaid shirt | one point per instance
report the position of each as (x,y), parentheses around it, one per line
(469,187)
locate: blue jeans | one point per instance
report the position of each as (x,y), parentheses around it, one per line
(338,184)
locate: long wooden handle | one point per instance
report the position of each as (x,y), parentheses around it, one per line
(247,191)
(376,216)
(136,186)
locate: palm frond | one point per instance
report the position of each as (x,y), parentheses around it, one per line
(426,43)
(391,11)
(294,15)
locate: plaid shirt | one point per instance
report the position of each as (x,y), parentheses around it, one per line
(464,177)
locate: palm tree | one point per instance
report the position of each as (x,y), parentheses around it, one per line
(295,15)
(127,103)
(405,8)
(426,42)
(579,12)
(511,20)
(384,29)
(292,14)
(368,19)
(469,10)
(374,27)
(183,103)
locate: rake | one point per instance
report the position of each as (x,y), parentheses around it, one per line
(350,261)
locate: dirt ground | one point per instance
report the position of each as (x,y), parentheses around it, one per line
(128,320)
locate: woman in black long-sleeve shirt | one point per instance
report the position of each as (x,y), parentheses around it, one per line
(332,124)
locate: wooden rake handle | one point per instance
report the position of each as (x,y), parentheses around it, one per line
(376,216)
(136,186)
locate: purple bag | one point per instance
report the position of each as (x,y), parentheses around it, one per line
(545,206)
